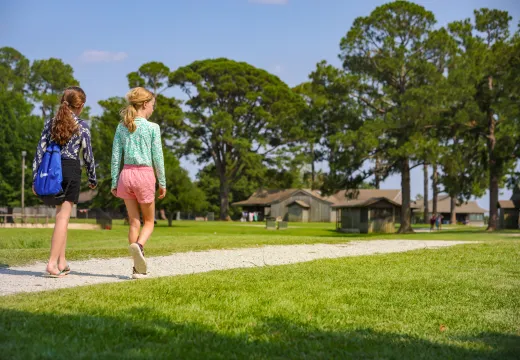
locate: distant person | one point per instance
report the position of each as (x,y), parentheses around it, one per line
(432,222)
(72,134)
(138,141)
(438,222)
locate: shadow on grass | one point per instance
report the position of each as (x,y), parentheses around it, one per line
(45,336)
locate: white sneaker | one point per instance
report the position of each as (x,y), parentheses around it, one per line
(137,275)
(139,260)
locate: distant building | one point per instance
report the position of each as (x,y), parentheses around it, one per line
(469,213)
(367,211)
(353,210)
(509,211)
(295,205)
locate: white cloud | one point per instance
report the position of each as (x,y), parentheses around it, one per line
(97,56)
(270,2)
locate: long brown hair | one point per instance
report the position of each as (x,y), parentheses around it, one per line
(136,99)
(64,125)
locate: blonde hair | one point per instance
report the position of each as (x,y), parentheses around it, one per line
(136,98)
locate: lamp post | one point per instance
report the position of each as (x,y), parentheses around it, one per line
(24,153)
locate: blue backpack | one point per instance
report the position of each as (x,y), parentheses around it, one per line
(49,176)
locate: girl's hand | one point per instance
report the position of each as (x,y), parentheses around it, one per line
(162,192)
(114,192)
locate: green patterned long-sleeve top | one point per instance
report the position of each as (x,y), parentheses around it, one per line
(142,147)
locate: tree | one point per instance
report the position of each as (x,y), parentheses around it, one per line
(459,156)
(485,53)
(426,211)
(47,81)
(287,178)
(14,70)
(103,129)
(513,81)
(435,188)
(392,55)
(19,129)
(312,125)
(366,185)
(462,175)
(238,117)
(182,194)
(168,113)
(152,75)
(338,113)
(208,182)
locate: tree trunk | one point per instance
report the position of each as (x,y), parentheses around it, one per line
(313,168)
(332,167)
(224,197)
(493,201)
(378,173)
(494,175)
(425,197)
(170,217)
(435,188)
(453,210)
(406,215)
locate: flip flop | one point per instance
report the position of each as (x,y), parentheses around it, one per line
(54,276)
(66,271)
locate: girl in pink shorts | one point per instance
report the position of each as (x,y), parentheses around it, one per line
(138,141)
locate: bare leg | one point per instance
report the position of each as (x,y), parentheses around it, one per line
(133,219)
(148,211)
(62,261)
(59,237)
(136,239)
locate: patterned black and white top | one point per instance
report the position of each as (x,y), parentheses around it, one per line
(78,141)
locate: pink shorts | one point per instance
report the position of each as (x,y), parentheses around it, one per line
(137,182)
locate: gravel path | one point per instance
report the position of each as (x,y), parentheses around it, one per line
(29,278)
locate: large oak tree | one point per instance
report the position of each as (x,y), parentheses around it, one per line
(238,117)
(392,55)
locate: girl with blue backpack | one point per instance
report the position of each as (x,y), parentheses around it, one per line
(57,170)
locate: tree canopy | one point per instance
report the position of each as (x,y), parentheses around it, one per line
(238,117)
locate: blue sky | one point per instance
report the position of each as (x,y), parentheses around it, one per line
(105,40)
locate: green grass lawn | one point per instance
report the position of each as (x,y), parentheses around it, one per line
(20,246)
(452,303)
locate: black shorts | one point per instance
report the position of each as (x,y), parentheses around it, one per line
(71,170)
